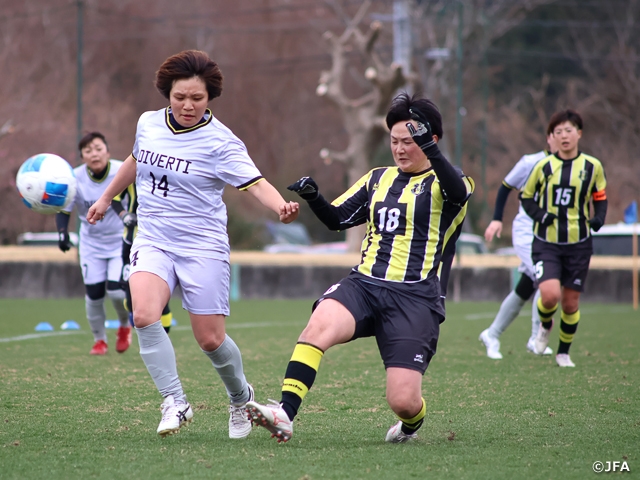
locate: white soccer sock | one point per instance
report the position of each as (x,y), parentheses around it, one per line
(117,298)
(96,315)
(227,360)
(535,317)
(509,310)
(158,355)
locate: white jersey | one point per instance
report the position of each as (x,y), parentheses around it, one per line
(180,177)
(515,179)
(104,239)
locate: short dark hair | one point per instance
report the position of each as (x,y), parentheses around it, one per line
(562,116)
(189,64)
(399,111)
(90,137)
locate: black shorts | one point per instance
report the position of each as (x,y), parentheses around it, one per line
(406,328)
(567,263)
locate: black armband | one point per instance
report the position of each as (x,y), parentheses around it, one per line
(450,180)
(325,212)
(501,201)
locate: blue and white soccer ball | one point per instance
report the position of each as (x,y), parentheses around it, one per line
(46,183)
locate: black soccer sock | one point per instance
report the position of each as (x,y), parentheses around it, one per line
(412,425)
(299,377)
(546,315)
(568,327)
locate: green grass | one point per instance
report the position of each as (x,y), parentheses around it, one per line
(66,414)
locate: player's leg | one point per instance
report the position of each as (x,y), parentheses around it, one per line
(576,267)
(407,335)
(547,258)
(118,296)
(94,276)
(166,318)
(404,396)
(331,323)
(205,295)
(152,280)
(96,316)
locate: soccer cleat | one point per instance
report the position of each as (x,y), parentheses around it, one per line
(123,339)
(396,435)
(564,360)
(99,348)
(273,418)
(542,340)
(531,346)
(492,344)
(239,421)
(174,416)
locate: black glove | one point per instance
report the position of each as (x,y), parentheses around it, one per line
(130,219)
(595,223)
(64,242)
(547,219)
(306,188)
(423,136)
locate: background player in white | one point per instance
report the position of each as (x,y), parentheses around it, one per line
(182,159)
(522,237)
(100,244)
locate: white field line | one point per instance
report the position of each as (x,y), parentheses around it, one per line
(231,325)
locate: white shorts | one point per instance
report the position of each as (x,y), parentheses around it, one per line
(204,281)
(99,270)
(522,237)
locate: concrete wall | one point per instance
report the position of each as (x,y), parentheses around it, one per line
(60,280)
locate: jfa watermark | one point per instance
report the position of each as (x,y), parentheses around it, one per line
(606,467)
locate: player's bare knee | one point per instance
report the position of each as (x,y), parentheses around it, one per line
(403,404)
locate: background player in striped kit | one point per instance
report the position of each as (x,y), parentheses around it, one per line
(182,159)
(557,195)
(414,213)
(522,237)
(100,243)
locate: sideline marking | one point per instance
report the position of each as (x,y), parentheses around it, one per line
(37,335)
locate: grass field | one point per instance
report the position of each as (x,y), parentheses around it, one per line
(66,414)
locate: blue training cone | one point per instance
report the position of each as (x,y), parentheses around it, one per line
(70,325)
(112,324)
(173,322)
(44,327)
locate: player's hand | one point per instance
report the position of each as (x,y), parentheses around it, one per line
(130,219)
(289,212)
(494,229)
(97,211)
(547,219)
(64,242)
(422,135)
(595,223)
(306,188)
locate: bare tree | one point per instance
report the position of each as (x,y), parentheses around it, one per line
(363,116)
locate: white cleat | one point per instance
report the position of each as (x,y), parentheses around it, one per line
(542,340)
(564,360)
(174,416)
(239,422)
(273,418)
(492,344)
(396,435)
(531,346)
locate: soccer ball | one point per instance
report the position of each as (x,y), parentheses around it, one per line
(46,183)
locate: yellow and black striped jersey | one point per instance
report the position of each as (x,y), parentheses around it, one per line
(565,189)
(411,226)
(132,207)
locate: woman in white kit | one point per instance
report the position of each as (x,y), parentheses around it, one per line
(182,159)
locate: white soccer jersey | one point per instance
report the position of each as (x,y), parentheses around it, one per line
(180,177)
(104,239)
(516,179)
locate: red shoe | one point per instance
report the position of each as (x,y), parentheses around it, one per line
(124,339)
(99,348)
